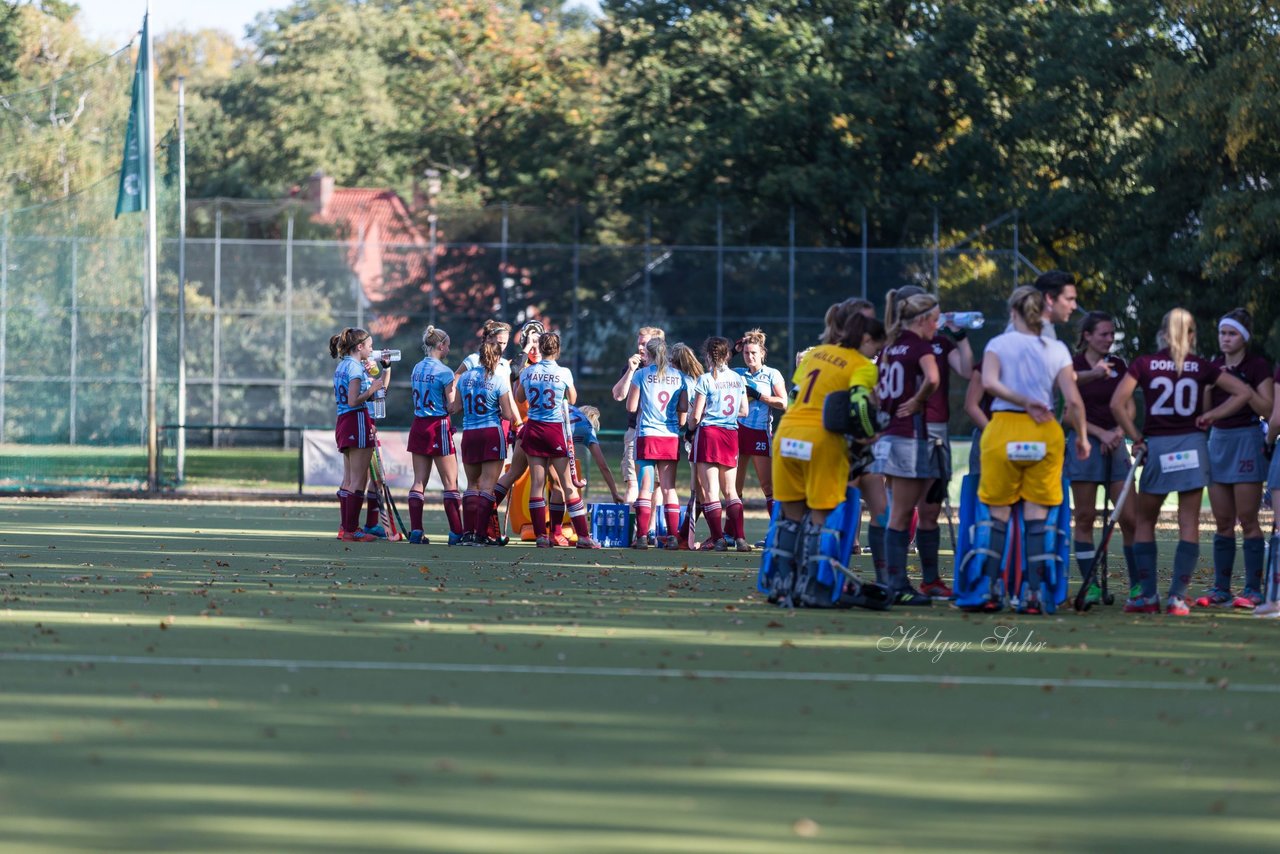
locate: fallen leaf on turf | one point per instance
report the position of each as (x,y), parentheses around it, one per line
(773,624)
(222,563)
(145,575)
(806,827)
(425,570)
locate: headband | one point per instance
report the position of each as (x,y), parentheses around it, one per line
(1236,325)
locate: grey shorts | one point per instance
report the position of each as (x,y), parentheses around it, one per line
(1235,455)
(1094,469)
(975,452)
(629,456)
(1175,464)
(940,439)
(903,456)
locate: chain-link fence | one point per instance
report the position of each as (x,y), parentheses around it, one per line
(268,283)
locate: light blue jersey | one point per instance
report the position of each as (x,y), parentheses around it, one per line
(473,361)
(348,369)
(546,387)
(723,394)
(431,379)
(659,395)
(582,430)
(763,381)
(480,395)
(673,408)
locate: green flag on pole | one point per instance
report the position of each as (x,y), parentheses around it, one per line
(132,195)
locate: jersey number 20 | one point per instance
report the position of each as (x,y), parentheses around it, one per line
(1183,395)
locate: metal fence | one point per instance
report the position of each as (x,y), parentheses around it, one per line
(266,286)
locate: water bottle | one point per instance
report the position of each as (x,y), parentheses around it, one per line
(964,319)
(386,355)
(377,403)
(611,527)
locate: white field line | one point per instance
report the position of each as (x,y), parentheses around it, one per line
(643,673)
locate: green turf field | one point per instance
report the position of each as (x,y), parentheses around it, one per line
(230,678)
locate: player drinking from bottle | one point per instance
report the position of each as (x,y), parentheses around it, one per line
(1173,381)
(353,388)
(548,390)
(719,400)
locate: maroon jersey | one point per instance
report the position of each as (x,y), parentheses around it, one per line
(1172,401)
(900,378)
(985,403)
(1097,394)
(937,409)
(1252,371)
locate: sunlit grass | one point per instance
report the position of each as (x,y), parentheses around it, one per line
(156,752)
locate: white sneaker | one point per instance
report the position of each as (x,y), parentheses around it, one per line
(1267,609)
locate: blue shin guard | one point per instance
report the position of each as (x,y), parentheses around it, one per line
(777,561)
(982,562)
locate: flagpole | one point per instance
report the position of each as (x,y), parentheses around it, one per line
(182,277)
(153,336)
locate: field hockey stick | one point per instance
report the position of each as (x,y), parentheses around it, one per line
(1079,603)
(567,427)
(1272,587)
(691,509)
(394,523)
(1100,557)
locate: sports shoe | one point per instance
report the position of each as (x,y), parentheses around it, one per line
(376,531)
(1215,598)
(937,590)
(416,538)
(1142,605)
(760,544)
(493,541)
(357,537)
(707,544)
(1247,599)
(468,538)
(560,540)
(542,543)
(341,533)
(652,539)
(741,545)
(671,543)
(640,543)
(454,539)
(992,602)
(586,543)
(1267,609)
(722,545)
(1177,607)
(1093,594)
(1032,604)
(911,597)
